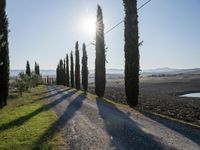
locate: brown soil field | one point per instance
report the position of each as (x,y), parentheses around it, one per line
(161,95)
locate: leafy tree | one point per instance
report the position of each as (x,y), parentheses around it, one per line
(77,68)
(28,70)
(4,55)
(24,82)
(21,83)
(67,70)
(100,72)
(131,52)
(84,69)
(72,71)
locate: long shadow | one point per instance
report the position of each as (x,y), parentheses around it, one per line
(125,133)
(68,114)
(182,129)
(51,95)
(23,119)
(48,91)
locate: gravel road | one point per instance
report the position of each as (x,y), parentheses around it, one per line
(87,124)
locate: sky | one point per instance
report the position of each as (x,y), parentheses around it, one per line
(45,31)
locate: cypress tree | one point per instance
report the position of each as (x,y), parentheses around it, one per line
(28,70)
(4,55)
(77,68)
(61,72)
(64,73)
(67,70)
(100,72)
(131,52)
(72,71)
(37,70)
(57,75)
(84,69)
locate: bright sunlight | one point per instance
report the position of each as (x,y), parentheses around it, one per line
(88,25)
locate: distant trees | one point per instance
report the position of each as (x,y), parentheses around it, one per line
(24,82)
(4,55)
(28,70)
(131,52)
(37,69)
(100,72)
(67,70)
(72,71)
(84,69)
(77,67)
(28,79)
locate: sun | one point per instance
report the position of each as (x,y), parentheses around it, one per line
(88,25)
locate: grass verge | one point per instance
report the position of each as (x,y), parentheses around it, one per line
(21,125)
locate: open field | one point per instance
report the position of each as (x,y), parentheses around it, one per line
(25,119)
(161,95)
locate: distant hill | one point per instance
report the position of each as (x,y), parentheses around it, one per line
(158,71)
(15,72)
(170,71)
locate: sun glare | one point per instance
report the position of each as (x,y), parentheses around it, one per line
(88,25)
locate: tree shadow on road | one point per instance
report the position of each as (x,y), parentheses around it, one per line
(49,89)
(23,119)
(180,128)
(125,133)
(61,90)
(67,115)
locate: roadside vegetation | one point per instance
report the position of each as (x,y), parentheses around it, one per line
(25,119)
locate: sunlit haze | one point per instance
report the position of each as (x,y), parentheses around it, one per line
(87,25)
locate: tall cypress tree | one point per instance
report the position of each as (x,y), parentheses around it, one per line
(72,71)
(28,70)
(64,73)
(67,70)
(37,70)
(4,55)
(84,69)
(100,72)
(77,67)
(131,52)
(61,72)
(57,75)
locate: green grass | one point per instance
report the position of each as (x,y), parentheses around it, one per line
(24,120)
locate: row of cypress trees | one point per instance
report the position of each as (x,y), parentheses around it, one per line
(131,50)
(63,77)
(4,55)
(100,71)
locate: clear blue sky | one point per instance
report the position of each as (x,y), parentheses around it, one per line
(45,30)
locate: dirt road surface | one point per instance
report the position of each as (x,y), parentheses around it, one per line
(87,124)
